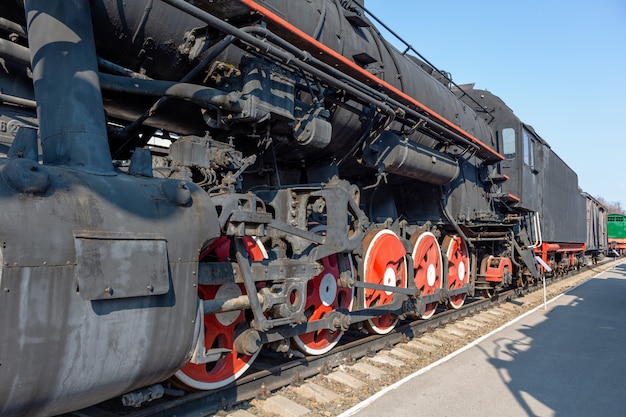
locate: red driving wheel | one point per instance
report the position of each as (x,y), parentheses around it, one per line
(428,267)
(323,296)
(458,268)
(384,263)
(221,329)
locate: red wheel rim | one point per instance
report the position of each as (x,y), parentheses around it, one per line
(428,268)
(458,268)
(222,328)
(324,296)
(384,263)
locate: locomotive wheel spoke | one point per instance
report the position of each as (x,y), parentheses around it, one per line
(221,329)
(384,263)
(323,296)
(458,268)
(428,267)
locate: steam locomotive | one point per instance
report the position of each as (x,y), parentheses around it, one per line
(185,183)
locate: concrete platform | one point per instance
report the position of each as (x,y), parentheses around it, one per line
(568,360)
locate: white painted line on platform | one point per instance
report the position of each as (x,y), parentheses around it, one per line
(384,391)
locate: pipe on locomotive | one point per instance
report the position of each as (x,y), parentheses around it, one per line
(69,102)
(331,75)
(14,52)
(432,123)
(203,96)
(12,27)
(131,129)
(359,90)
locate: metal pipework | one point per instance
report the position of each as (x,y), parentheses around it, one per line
(203,96)
(12,27)
(65,77)
(14,52)
(335,78)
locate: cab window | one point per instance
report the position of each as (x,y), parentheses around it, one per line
(529,149)
(508,143)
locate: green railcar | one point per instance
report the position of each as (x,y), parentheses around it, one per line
(616,226)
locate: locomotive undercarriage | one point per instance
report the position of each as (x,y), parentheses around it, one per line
(318,265)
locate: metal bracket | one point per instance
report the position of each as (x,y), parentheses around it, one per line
(200,354)
(292,314)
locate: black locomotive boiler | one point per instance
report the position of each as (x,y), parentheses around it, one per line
(186,183)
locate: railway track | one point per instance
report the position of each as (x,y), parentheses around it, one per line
(358,367)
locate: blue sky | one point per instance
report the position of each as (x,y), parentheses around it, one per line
(560,65)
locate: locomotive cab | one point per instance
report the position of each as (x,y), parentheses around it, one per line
(541,186)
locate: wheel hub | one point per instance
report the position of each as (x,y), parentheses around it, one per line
(328,289)
(227,292)
(431,275)
(389,279)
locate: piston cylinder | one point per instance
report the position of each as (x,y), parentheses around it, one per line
(393,154)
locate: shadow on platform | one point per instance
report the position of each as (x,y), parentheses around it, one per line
(573,360)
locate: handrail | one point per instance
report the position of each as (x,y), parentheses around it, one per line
(409,47)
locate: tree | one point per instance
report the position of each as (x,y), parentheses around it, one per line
(612,206)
